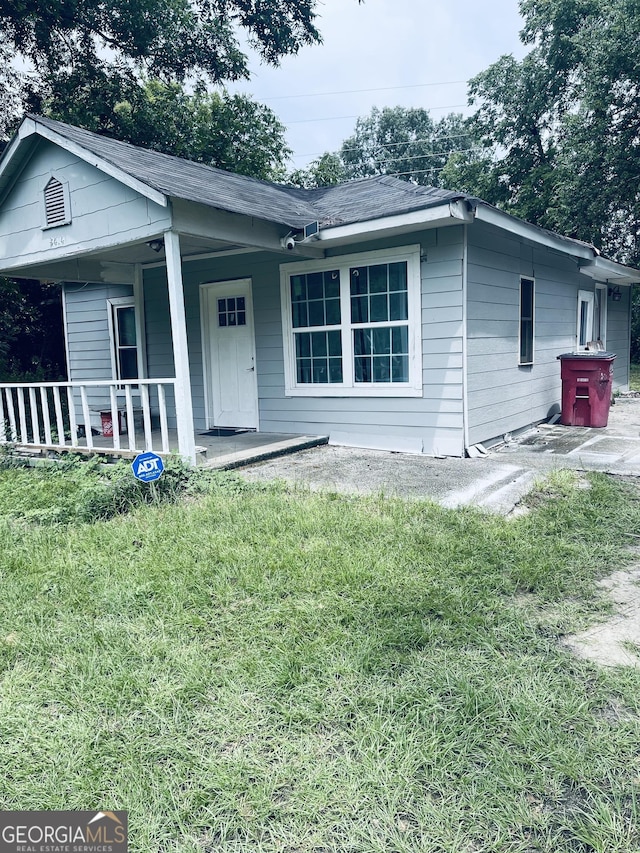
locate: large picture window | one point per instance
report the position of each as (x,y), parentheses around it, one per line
(352,325)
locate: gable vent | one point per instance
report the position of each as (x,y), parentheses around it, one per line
(55,208)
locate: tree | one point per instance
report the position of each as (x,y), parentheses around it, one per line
(400,141)
(31,343)
(231,132)
(405,142)
(172,40)
(566,123)
(326,171)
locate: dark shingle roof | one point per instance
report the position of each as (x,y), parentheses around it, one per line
(344,204)
(370,198)
(191,181)
(355,201)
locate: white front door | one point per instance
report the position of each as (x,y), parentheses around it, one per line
(229,354)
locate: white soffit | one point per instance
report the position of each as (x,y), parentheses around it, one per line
(486,213)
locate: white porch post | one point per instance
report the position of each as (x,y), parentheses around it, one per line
(184,406)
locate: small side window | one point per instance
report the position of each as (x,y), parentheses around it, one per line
(526,320)
(56,204)
(124,338)
(584,334)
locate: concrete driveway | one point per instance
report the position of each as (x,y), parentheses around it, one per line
(496,481)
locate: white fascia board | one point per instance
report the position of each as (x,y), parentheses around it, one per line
(9,169)
(104,166)
(450,213)
(602,269)
(486,213)
(27,128)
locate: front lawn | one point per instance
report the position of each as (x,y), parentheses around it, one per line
(263,669)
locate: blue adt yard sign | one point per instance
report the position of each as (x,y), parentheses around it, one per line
(147,467)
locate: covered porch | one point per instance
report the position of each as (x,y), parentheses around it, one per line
(38,418)
(120,228)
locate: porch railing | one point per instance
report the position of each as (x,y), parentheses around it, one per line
(60,415)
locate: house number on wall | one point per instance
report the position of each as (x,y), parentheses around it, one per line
(54,242)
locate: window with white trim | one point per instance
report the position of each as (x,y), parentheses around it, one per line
(352,325)
(527,291)
(584,332)
(600,315)
(124,338)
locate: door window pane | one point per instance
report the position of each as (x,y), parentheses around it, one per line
(232,311)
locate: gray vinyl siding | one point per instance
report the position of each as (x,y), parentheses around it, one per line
(103,210)
(504,397)
(88,341)
(158,340)
(430,424)
(88,329)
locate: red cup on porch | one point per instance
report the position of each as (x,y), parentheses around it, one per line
(106,421)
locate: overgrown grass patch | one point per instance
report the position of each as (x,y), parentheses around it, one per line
(273,670)
(73,489)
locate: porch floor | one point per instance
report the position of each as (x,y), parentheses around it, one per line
(221,452)
(226,452)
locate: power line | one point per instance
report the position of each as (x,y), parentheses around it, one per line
(358,91)
(425,155)
(386,145)
(340,118)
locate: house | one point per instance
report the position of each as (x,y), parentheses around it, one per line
(378,313)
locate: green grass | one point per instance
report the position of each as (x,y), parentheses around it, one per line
(634,377)
(261,669)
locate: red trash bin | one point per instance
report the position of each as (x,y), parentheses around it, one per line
(586,388)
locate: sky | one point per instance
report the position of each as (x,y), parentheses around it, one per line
(382,53)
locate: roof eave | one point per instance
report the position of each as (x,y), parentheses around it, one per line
(590,262)
(436,216)
(602,269)
(487,213)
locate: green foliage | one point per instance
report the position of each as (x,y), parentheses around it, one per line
(402,141)
(172,40)
(565,122)
(31,338)
(227,131)
(392,141)
(326,171)
(73,490)
(635,325)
